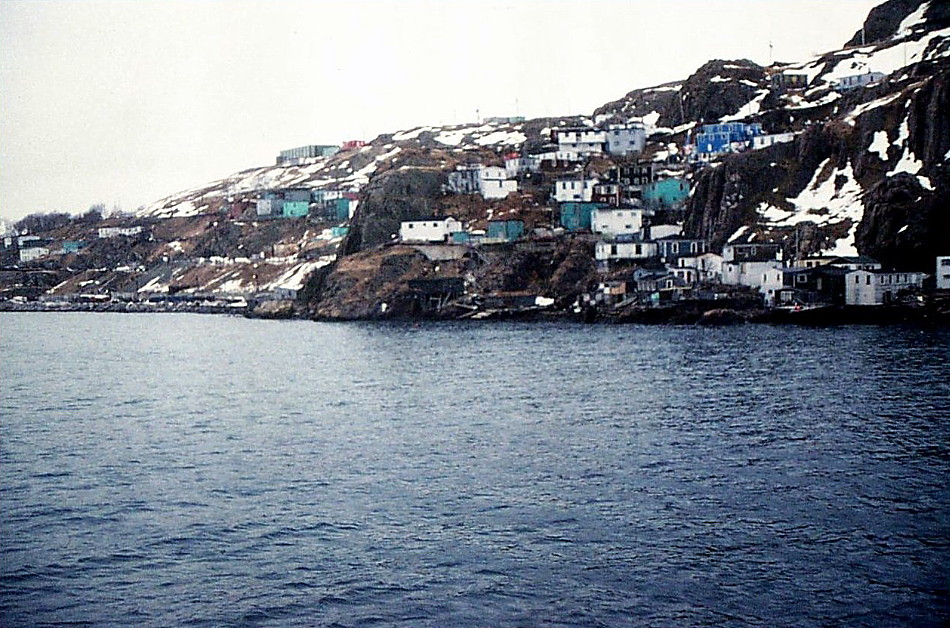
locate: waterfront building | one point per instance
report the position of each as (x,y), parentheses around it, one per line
(943,272)
(877,287)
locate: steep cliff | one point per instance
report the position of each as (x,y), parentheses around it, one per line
(869,175)
(405,193)
(716,90)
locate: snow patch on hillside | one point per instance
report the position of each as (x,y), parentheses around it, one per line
(294,277)
(879,145)
(505,138)
(751,108)
(913,20)
(888,59)
(829,199)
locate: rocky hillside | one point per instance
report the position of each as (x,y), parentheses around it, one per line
(868,171)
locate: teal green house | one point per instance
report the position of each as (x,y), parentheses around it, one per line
(340,209)
(577,215)
(666,192)
(507,230)
(339,232)
(295,209)
(71,246)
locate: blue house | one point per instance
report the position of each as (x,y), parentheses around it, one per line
(577,215)
(716,139)
(507,230)
(666,192)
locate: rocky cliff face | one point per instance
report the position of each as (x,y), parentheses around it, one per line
(868,171)
(717,89)
(405,193)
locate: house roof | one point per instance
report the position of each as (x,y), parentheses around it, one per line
(679,238)
(860,259)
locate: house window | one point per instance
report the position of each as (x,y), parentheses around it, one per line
(868,280)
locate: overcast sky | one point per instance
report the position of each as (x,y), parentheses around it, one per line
(127,102)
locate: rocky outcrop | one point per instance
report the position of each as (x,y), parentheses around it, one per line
(369,285)
(883,20)
(904,225)
(718,88)
(406,193)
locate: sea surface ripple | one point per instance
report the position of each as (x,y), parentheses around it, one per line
(187,470)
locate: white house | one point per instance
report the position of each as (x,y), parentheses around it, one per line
(624,250)
(664,231)
(763,141)
(584,141)
(688,276)
(859,80)
(875,287)
(625,139)
(556,155)
(574,190)
(708,266)
(752,252)
(489,181)
(943,272)
(493,182)
(773,280)
(27,241)
(269,206)
(616,221)
(32,253)
(111,232)
(515,164)
(429,230)
(754,274)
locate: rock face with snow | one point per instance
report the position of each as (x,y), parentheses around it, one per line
(719,89)
(405,193)
(868,171)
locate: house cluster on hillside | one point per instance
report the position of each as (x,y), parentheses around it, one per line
(30,248)
(688,271)
(333,205)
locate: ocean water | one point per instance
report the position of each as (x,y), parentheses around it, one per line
(187,470)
